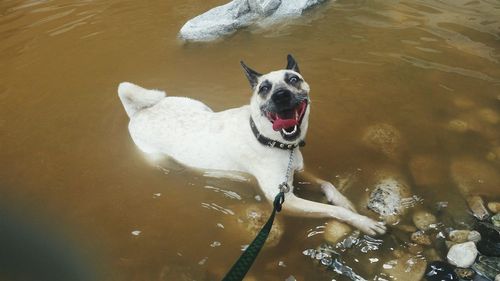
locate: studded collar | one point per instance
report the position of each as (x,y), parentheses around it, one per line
(272,143)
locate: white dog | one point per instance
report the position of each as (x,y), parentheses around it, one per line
(254,139)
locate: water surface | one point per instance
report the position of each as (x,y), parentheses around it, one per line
(67,157)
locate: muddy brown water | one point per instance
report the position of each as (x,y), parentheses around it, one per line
(428,68)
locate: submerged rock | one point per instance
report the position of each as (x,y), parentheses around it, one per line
(384,138)
(494,207)
(476,205)
(408,268)
(474,177)
(427,170)
(489,244)
(440,271)
(496,220)
(421,238)
(462,255)
(226,19)
(424,220)
(465,273)
(335,231)
(459,236)
(252,218)
(387,198)
(474,236)
(488,267)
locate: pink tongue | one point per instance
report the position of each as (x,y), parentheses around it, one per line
(284,123)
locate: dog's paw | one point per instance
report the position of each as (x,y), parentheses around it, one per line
(336,198)
(368,226)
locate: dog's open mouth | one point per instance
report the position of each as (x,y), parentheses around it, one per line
(288,121)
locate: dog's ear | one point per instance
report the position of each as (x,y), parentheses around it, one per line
(252,75)
(292,64)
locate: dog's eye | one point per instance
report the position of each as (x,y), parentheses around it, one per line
(293,79)
(264,89)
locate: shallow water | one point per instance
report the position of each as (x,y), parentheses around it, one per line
(428,68)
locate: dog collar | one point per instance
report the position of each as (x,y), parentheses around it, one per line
(272,143)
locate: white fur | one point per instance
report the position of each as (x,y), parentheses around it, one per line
(194,135)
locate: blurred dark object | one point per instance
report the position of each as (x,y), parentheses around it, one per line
(30,250)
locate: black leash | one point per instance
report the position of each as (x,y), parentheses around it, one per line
(243,264)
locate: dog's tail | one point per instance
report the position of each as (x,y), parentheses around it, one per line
(135,98)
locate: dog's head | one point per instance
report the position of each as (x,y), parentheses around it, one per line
(280,102)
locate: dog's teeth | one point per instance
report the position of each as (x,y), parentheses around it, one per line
(290,133)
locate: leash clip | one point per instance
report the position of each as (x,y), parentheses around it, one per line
(284,187)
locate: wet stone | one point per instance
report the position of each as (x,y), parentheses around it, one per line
(384,138)
(440,271)
(421,238)
(226,19)
(474,236)
(488,115)
(494,207)
(465,273)
(488,267)
(474,176)
(253,217)
(462,255)
(424,220)
(496,220)
(458,125)
(489,244)
(335,231)
(476,205)
(427,170)
(408,268)
(386,199)
(459,236)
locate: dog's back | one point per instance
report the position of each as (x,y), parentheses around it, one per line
(183,128)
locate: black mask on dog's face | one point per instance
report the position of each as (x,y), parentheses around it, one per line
(284,97)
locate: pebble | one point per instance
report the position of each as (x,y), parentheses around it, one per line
(488,115)
(462,255)
(494,207)
(458,125)
(386,199)
(488,267)
(406,268)
(465,273)
(335,231)
(474,236)
(473,176)
(496,220)
(384,138)
(421,238)
(459,236)
(427,170)
(490,239)
(424,220)
(449,244)
(406,227)
(440,271)
(476,205)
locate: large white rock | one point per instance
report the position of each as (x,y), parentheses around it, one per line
(226,19)
(462,255)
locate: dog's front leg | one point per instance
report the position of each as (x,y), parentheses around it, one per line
(332,194)
(269,182)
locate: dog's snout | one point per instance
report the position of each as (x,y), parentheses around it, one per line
(282,97)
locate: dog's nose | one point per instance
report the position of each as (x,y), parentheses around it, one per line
(282,97)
